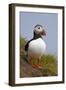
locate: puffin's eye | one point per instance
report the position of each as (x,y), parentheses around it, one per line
(38,27)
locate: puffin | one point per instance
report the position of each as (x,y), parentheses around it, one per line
(36,47)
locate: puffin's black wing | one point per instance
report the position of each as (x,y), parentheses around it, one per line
(27,45)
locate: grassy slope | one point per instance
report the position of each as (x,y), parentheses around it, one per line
(48,61)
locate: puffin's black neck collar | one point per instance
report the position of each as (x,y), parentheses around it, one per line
(36,36)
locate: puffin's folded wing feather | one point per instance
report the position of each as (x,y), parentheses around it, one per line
(27,45)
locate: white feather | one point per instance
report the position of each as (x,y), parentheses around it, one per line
(36,48)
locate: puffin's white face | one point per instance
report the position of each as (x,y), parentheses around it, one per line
(39,30)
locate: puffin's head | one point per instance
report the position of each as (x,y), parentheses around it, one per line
(39,31)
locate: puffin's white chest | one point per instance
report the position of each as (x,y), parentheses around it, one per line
(36,48)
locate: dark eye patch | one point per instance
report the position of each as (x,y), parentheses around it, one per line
(38,27)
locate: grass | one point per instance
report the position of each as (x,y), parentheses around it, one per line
(48,61)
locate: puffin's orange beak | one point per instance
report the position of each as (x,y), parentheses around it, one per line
(43,32)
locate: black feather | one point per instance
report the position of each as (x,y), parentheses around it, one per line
(27,45)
